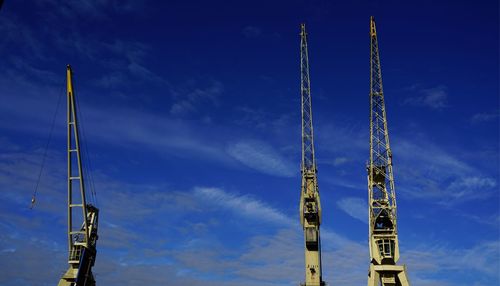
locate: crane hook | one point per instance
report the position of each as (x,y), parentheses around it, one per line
(33,201)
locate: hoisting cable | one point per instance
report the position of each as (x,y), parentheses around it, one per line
(86,160)
(33,198)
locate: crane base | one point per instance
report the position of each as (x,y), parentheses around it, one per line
(388,275)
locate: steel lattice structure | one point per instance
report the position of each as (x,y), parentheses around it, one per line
(310,207)
(383,234)
(82,216)
(308,162)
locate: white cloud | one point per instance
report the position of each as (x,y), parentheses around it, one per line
(340,161)
(96,10)
(242,205)
(198,248)
(485,117)
(188,99)
(424,170)
(431,258)
(125,127)
(435,98)
(261,157)
(355,207)
(471,186)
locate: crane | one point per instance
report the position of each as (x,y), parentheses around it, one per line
(383,233)
(82,216)
(310,207)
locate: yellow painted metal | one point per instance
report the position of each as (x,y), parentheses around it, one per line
(310,217)
(82,229)
(383,234)
(310,206)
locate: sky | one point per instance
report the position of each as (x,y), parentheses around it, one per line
(191,114)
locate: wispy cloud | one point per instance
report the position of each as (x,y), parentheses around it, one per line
(471,186)
(345,142)
(131,128)
(124,127)
(484,117)
(355,207)
(128,56)
(243,205)
(14,30)
(29,253)
(441,259)
(436,173)
(422,167)
(89,9)
(340,161)
(198,248)
(190,97)
(116,62)
(261,157)
(33,72)
(435,97)
(251,32)
(269,122)
(18,174)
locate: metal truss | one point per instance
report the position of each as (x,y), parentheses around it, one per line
(82,216)
(383,235)
(310,207)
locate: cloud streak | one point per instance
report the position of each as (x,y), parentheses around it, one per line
(191,98)
(243,205)
(434,98)
(355,207)
(485,117)
(437,174)
(262,157)
(198,253)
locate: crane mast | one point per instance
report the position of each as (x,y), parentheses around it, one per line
(82,216)
(310,207)
(383,234)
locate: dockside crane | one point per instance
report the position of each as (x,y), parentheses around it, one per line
(310,206)
(383,232)
(82,216)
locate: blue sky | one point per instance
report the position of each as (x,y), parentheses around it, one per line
(192,118)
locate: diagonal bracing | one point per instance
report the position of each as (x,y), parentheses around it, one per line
(310,207)
(383,234)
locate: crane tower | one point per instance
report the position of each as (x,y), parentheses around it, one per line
(383,234)
(82,216)
(310,207)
